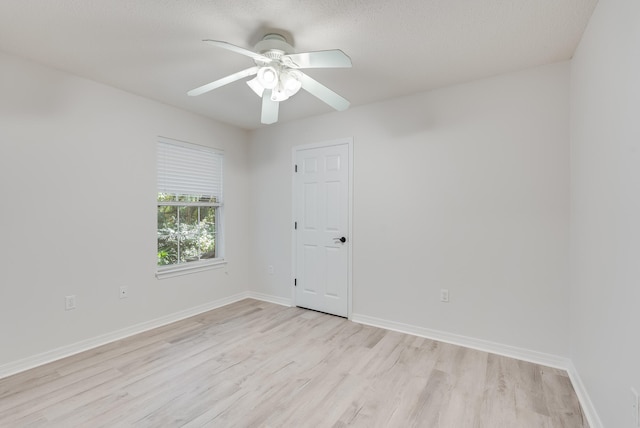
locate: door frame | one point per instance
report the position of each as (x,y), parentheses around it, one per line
(348,141)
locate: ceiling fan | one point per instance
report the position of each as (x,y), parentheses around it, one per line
(278,76)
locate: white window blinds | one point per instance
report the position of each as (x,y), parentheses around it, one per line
(189,170)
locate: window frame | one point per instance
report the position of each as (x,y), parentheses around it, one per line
(177,269)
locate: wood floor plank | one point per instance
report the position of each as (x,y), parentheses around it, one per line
(256,364)
(465,401)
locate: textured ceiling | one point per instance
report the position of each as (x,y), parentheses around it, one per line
(153,47)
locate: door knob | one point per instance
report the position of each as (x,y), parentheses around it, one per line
(341,239)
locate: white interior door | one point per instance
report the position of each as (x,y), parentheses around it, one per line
(322,241)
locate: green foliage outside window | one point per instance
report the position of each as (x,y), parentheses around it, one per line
(186,233)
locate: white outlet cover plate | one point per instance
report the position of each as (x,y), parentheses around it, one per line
(69,302)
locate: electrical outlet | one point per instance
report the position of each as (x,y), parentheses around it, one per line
(635,407)
(124,292)
(444,295)
(69,302)
(270,270)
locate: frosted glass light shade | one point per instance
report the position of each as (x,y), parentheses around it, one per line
(279,94)
(290,81)
(268,77)
(256,86)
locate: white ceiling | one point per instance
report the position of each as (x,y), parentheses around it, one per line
(153,47)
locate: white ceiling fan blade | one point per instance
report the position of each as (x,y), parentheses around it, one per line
(238,49)
(320,59)
(322,92)
(224,81)
(269,108)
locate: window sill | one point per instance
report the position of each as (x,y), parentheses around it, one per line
(188,268)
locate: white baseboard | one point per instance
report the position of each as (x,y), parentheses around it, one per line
(84,345)
(269,298)
(536,357)
(585,401)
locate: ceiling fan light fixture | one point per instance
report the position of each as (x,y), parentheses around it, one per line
(268,77)
(288,85)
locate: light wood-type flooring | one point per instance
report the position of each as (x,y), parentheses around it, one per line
(255,364)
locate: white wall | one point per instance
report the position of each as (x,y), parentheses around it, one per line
(78,216)
(605,208)
(464,188)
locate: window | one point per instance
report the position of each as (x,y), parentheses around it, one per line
(189,207)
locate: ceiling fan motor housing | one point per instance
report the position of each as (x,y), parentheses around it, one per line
(274,46)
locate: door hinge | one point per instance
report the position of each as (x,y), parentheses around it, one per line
(295,282)
(295,225)
(296,168)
